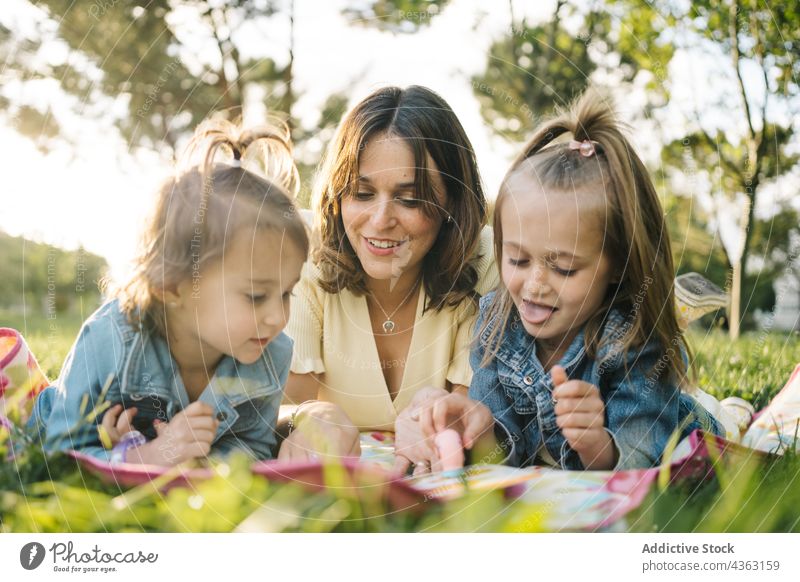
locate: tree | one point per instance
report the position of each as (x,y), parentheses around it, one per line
(750,147)
(397,16)
(149,57)
(534,69)
(168,63)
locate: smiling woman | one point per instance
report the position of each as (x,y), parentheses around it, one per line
(383,315)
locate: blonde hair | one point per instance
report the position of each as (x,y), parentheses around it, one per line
(430,127)
(636,236)
(205,204)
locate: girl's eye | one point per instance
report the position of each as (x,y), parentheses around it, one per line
(256,298)
(564,272)
(363,195)
(517,262)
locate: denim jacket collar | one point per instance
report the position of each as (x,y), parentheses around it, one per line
(517,349)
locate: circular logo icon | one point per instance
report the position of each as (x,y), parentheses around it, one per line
(31,555)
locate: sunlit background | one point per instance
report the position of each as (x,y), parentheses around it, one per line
(98,97)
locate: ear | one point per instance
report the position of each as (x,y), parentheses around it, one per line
(171,296)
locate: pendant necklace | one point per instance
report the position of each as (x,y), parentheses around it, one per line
(389,324)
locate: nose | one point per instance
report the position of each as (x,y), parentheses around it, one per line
(538,285)
(275,315)
(382,214)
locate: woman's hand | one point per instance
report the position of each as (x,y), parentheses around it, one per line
(412,447)
(580,414)
(321,429)
(470,418)
(187,436)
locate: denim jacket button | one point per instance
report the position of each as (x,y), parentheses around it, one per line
(222,415)
(528,380)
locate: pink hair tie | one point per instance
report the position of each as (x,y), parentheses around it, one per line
(585,147)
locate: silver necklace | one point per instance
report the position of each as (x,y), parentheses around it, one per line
(389,324)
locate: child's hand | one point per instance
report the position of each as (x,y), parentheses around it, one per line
(116,423)
(580,414)
(187,436)
(468,417)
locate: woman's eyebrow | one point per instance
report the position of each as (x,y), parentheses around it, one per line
(401,186)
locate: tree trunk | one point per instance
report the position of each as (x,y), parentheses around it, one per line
(289,72)
(734,314)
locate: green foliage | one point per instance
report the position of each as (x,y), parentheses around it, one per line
(398,16)
(146,56)
(695,249)
(530,72)
(47,279)
(752,144)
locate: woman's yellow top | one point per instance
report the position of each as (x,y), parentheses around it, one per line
(333,335)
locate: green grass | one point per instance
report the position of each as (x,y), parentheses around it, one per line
(754,367)
(52,495)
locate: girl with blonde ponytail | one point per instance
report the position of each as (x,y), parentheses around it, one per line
(579,361)
(190,352)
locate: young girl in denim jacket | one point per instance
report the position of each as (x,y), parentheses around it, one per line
(578,361)
(190,352)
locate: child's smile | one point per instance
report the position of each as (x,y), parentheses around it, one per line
(553,260)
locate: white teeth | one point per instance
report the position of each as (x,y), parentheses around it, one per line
(383,244)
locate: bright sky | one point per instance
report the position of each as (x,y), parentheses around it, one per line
(96,194)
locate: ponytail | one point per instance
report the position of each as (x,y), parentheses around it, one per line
(600,163)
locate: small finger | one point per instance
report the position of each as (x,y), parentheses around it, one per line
(198,409)
(574,389)
(110,417)
(202,435)
(206,422)
(559,375)
(568,405)
(125,421)
(583,420)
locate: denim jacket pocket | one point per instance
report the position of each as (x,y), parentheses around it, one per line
(523,401)
(249,417)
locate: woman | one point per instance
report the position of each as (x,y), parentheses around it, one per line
(383,316)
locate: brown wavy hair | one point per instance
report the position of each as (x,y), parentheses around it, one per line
(636,237)
(428,125)
(205,204)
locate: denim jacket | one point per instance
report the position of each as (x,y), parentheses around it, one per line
(641,409)
(245,398)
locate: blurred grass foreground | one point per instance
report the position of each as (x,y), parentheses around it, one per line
(39,494)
